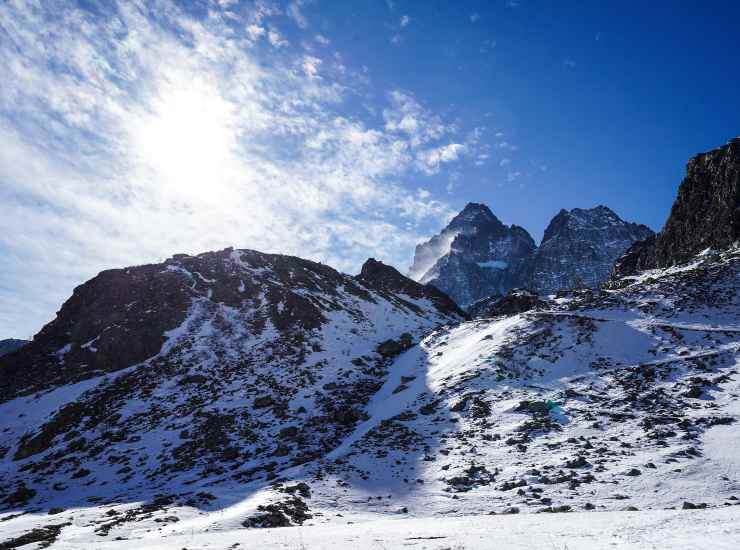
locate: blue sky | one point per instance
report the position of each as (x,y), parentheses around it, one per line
(335,130)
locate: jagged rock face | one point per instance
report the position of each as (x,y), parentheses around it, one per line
(579,249)
(705,214)
(474,256)
(10,345)
(227,364)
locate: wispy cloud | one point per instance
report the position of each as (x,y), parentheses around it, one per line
(140,132)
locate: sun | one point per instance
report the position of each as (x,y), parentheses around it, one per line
(187,137)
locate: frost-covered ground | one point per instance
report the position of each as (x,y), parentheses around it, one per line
(666,529)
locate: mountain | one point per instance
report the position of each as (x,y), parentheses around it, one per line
(474,256)
(190,402)
(579,249)
(231,364)
(705,214)
(124,317)
(305,402)
(10,345)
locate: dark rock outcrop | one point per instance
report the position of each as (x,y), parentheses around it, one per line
(517,301)
(123,317)
(389,281)
(705,214)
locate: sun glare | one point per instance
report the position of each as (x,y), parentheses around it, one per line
(188,138)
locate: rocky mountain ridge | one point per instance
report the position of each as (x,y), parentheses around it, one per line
(606,400)
(476,256)
(705,214)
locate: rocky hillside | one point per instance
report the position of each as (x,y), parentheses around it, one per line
(705,214)
(475,256)
(579,249)
(227,365)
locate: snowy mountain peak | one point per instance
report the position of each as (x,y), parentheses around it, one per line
(477,256)
(474,256)
(474,214)
(597,218)
(579,248)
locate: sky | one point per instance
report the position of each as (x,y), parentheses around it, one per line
(335,130)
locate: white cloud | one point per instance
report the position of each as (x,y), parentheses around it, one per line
(255,31)
(474,17)
(321,39)
(429,160)
(504,162)
(405,20)
(128,138)
(568,62)
(276,39)
(513,176)
(295,13)
(406,116)
(310,66)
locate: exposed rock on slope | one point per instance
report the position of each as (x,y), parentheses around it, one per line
(387,280)
(516,301)
(595,400)
(705,214)
(475,256)
(124,316)
(579,249)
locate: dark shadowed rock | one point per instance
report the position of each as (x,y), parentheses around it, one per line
(705,214)
(10,345)
(517,301)
(387,279)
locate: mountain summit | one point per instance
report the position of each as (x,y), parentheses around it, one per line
(579,248)
(475,256)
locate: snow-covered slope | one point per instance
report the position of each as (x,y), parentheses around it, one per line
(603,400)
